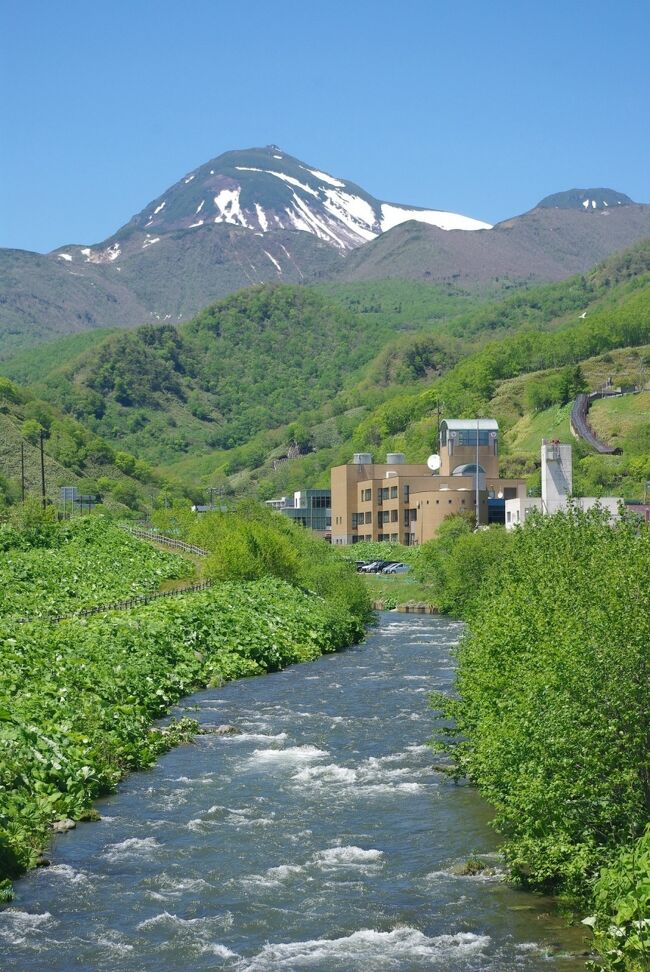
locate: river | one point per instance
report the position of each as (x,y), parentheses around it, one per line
(319,837)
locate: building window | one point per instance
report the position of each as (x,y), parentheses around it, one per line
(467,437)
(384,492)
(368,517)
(394,537)
(394,516)
(509,516)
(407,492)
(366,495)
(320,502)
(414,514)
(393,492)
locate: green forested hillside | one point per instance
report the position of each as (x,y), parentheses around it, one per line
(340,368)
(252,362)
(523,376)
(73,456)
(33,365)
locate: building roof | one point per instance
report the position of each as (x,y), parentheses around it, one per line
(461,425)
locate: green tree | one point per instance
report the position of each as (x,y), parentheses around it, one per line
(31,431)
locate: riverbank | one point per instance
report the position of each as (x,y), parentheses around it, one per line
(389,591)
(78,698)
(320,836)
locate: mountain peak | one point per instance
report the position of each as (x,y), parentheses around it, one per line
(587,199)
(265,190)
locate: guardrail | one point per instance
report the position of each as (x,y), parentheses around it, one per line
(123,605)
(173,542)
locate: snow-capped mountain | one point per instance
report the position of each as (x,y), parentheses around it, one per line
(264,190)
(259,215)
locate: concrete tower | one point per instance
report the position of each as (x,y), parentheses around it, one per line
(557,475)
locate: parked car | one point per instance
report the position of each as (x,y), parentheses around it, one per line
(375,567)
(397,569)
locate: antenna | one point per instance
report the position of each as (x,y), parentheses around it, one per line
(433,462)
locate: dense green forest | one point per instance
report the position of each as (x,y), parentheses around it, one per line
(334,368)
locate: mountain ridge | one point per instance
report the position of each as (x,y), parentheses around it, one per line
(261,215)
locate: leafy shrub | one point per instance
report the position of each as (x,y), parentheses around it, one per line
(552,716)
(56,568)
(621,921)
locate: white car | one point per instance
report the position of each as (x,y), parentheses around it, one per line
(397,569)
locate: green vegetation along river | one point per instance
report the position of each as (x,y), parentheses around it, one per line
(318,837)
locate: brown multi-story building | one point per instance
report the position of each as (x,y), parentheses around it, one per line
(407,502)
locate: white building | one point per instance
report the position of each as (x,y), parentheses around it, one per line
(557,486)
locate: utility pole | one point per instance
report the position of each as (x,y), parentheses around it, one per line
(22,471)
(42,469)
(439,405)
(478,515)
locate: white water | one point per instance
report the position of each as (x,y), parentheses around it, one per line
(318,838)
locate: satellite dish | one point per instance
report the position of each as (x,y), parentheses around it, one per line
(433,462)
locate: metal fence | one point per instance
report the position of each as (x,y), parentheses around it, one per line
(173,542)
(124,605)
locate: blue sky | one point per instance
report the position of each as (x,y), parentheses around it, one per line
(476,107)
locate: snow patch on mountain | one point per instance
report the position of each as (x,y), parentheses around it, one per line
(108,255)
(353,211)
(274,261)
(394,215)
(324,177)
(261,218)
(280,175)
(229,208)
